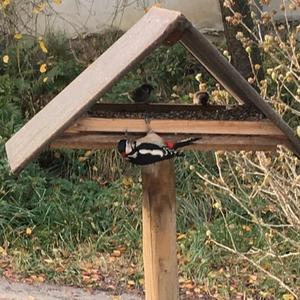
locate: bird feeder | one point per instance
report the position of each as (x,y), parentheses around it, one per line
(72,120)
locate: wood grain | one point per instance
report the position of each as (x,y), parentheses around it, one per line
(81,93)
(207,143)
(159,231)
(87,124)
(209,56)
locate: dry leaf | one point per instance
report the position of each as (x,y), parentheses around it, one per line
(131,282)
(252,278)
(116,253)
(298,131)
(181,236)
(5,3)
(288,297)
(18,35)
(43,68)
(43,46)
(5,59)
(28,231)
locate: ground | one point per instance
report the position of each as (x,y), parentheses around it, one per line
(21,291)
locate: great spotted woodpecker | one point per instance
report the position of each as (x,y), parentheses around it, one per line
(151,148)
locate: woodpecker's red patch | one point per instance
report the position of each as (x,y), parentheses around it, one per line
(169,144)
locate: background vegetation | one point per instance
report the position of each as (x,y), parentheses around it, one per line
(63,219)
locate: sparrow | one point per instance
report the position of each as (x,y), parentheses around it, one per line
(141,94)
(201,97)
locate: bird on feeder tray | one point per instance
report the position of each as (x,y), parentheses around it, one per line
(141,94)
(151,148)
(201,97)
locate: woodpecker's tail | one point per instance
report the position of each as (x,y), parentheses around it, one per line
(185,142)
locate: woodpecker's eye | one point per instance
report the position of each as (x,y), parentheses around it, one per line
(122,147)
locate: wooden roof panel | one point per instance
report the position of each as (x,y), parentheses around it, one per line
(131,48)
(157,26)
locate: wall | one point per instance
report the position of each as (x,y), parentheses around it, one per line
(79,16)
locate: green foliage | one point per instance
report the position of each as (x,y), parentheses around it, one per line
(69,206)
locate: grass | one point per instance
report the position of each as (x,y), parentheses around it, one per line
(74,217)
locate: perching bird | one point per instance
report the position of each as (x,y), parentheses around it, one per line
(141,94)
(151,148)
(201,97)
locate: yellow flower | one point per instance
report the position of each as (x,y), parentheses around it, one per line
(5,3)
(18,35)
(43,46)
(58,2)
(43,68)
(39,8)
(5,59)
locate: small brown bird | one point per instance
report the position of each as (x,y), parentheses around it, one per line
(201,97)
(141,94)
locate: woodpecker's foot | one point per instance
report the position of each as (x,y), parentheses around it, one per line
(126,133)
(147,121)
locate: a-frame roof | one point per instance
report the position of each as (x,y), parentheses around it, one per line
(157,26)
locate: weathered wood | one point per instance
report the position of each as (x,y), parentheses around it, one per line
(77,97)
(231,79)
(159,231)
(87,124)
(207,143)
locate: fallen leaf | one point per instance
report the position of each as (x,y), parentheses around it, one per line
(5,3)
(252,278)
(131,283)
(5,59)
(28,231)
(18,35)
(217,205)
(298,131)
(288,297)
(247,228)
(181,236)
(43,68)
(116,253)
(43,46)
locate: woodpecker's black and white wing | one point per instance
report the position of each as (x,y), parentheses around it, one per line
(148,153)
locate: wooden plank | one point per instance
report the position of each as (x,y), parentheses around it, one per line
(159,231)
(209,56)
(79,95)
(87,124)
(207,143)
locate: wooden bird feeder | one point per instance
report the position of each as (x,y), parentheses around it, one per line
(61,124)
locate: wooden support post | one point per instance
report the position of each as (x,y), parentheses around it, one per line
(159,231)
